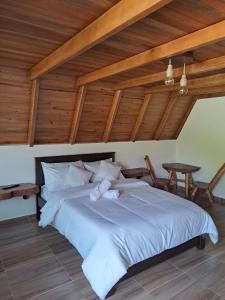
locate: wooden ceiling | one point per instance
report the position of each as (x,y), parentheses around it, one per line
(108,84)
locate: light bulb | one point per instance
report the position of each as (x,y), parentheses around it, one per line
(169,74)
(183,90)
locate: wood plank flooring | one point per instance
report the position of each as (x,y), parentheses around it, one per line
(40,264)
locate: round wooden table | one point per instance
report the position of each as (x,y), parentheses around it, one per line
(187,170)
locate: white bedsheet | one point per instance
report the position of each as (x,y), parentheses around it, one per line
(112,235)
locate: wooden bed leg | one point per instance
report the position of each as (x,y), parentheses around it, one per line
(201,242)
(112,291)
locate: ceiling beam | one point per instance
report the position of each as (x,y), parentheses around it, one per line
(207,81)
(166,115)
(117,18)
(187,113)
(33,112)
(200,38)
(202,93)
(210,65)
(112,115)
(140,117)
(81,94)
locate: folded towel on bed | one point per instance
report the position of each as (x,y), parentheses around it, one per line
(100,189)
(111,194)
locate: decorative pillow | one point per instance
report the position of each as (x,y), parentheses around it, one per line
(76,177)
(108,171)
(94,167)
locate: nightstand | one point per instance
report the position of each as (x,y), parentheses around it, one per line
(135,172)
(24,190)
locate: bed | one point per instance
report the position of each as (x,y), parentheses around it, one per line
(136,230)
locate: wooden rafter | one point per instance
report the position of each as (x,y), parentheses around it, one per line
(77,113)
(213,64)
(33,111)
(207,81)
(140,117)
(112,115)
(121,15)
(166,115)
(200,38)
(215,91)
(187,113)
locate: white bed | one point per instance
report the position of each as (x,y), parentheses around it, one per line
(112,235)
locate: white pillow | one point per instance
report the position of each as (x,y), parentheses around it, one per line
(54,178)
(78,163)
(94,167)
(54,174)
(108,171)
(76,177)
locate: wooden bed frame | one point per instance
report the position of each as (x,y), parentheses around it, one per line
(198,241)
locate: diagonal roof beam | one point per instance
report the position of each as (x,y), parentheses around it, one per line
(200,38)
(117,18)
(166,115)
(210,65)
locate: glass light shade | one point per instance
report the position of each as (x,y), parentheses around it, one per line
(183,90)
(169,74)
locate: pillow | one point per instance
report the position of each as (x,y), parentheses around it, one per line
(94,167)
(76,177)
(54,173)
(78,163)
(54,177)
(108,171)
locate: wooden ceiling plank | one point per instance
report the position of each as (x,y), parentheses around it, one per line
(140,117)
(202,93)
(199,38)
(166,115)
(33,112)
(207,81)
(213,64)
(187,113)
(117,18)
(81,94)
(112,115)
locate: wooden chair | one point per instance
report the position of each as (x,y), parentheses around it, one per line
(208,187)
(162,183)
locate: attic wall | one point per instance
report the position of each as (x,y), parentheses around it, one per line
(57,102)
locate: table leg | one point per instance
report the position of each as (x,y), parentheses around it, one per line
(187,178)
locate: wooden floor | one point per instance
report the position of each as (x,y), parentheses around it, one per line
(40,264)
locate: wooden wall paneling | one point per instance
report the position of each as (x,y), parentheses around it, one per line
(112,115)
(166,115)
(152,116)
(33,112)
(186,115)
(14,105)
(213,64)
(121,15)
(80,98)
(96,109)
(54,117)
(199,38)
(140,117)
(175,118)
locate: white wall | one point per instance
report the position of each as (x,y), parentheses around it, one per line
(17,164)
(202,140)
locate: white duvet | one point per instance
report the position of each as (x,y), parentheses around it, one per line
(112,235)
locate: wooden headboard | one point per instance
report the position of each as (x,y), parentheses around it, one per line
(67,158)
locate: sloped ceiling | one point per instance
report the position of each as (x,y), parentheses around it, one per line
(30,30)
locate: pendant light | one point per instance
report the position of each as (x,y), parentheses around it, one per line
(169,74)
(183,90)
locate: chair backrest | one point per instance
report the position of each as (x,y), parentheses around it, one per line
(150,169)
(217,177)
